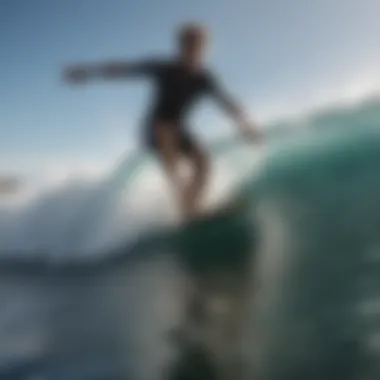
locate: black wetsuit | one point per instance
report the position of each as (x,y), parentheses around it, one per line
(177,89)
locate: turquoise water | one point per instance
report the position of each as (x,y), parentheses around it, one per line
(316,314)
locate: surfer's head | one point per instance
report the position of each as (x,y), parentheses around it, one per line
(192,41)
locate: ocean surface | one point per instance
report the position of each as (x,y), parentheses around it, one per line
(93,276)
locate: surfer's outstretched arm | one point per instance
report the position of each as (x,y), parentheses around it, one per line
(110,70)
(234,110)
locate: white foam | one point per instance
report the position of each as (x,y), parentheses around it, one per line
(86,214)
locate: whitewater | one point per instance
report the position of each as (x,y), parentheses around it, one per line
(88,217)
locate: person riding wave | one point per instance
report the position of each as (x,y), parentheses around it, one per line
(180,82)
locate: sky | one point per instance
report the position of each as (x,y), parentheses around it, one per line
(276,56)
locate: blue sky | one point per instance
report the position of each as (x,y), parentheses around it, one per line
(275,55)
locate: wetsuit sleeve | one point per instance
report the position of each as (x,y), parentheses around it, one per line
(148,67)
(221,96)
(130,70)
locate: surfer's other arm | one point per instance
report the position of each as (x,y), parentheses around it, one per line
(233,109)
(110,70)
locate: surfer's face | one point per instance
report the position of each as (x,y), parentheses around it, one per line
(193,43)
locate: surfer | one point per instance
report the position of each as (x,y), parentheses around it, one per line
(180,81)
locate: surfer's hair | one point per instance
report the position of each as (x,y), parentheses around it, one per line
(192,31)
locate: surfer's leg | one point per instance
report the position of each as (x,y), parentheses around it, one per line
(194,189)
(173,143)
(165,141)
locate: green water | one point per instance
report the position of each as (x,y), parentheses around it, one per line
(316,315)
(219,243)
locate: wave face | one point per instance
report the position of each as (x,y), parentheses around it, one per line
(317,312)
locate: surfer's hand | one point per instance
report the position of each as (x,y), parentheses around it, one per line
(251,133)
(76,75)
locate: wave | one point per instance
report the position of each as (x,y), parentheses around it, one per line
(85,220)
